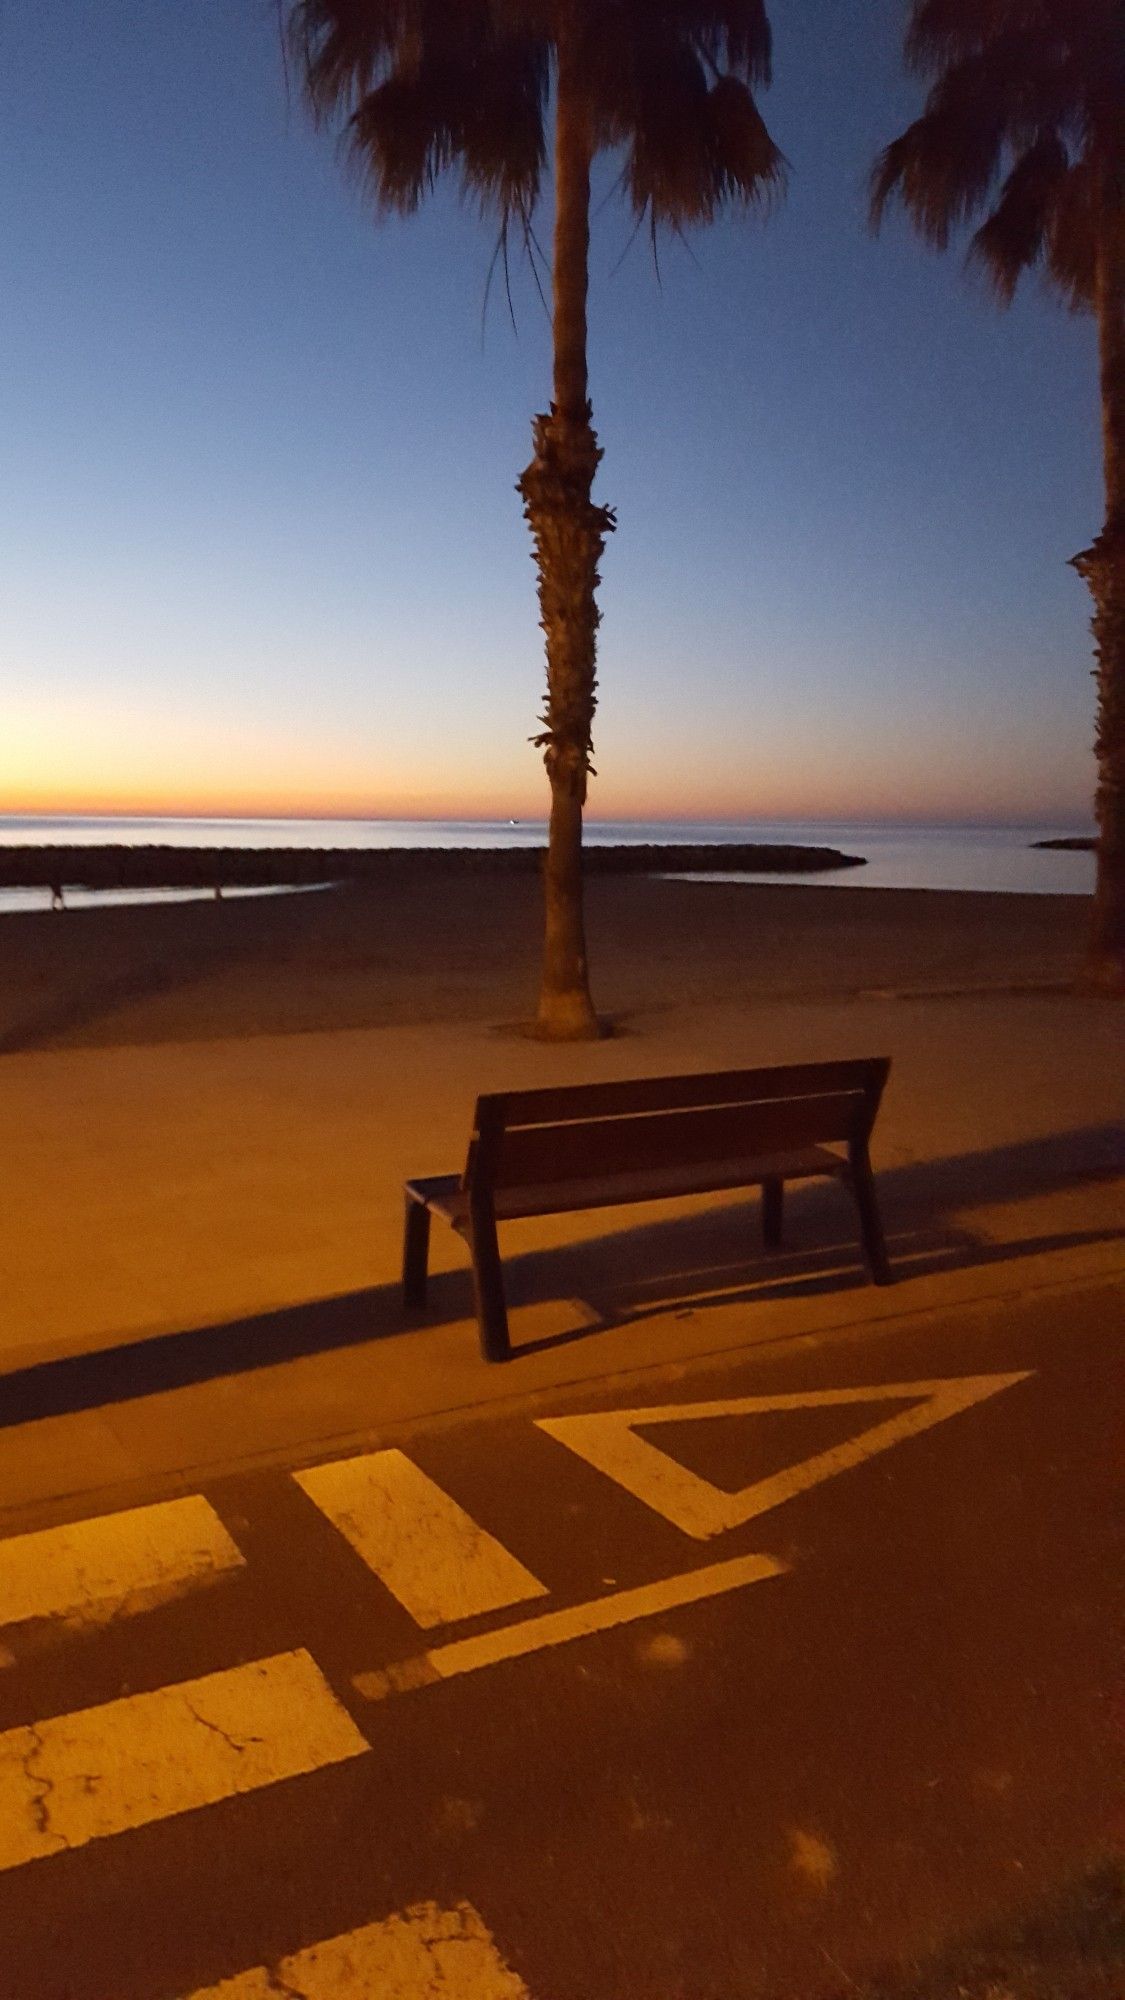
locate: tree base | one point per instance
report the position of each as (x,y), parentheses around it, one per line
(610,1028)
(564,1020)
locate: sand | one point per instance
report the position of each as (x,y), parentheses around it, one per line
(466,948)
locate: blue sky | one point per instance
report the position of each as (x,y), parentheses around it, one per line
(260,547)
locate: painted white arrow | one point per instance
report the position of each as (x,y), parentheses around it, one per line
(608,1440)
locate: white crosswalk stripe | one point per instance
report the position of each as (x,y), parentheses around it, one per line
(426,1953)
(100,1771)
(439,1562)
(90,1572)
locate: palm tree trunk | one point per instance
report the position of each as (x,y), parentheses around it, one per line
(1103,567)
(569,532)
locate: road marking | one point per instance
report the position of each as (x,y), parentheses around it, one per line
(433,1556)
(608,1441)
(116,1565)
(80,1777)
(557,1628)
(426,1953)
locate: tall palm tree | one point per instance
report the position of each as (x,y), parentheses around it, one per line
(426,87)
(1025,124)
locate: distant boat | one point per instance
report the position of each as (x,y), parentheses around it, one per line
(513,822)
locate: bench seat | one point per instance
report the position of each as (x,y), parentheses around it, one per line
(444,1195)
(601,1145)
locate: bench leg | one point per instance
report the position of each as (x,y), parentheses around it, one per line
(488,1286)
(415,1252)
(870,1223)
(772,1198)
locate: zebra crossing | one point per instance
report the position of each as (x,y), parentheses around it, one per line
(421,1953)
(152,1754)
(156,1754)
(441,1564)
(90,1572)
(72,1779)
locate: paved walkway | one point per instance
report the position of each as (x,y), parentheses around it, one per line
(759,1680)
(205,1237)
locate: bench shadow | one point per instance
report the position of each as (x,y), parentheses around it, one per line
(684,1263)
(754,1284)
(713,1257)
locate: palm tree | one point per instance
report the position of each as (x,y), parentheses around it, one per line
(426,87)
(1025,125)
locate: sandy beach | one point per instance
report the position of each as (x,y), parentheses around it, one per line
(465,947)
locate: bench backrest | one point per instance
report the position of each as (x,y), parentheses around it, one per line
(531,1138)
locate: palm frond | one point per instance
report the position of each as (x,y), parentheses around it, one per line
(342,48)
(749,167)
(1011,240)
(694,140)
(503,138)
(1031,90)
(729,35)
(732,36)
(1075,228)
(943,31)
(664,124)
(695,150)
(941,168)
(428,87)
(525,17)
(1022,81)
(404,134)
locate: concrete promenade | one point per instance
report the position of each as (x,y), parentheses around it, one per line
(205,1235)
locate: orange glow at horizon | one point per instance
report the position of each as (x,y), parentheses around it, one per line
(636,801)
(117,760)
(97,760)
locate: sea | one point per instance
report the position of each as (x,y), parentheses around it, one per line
(897,855)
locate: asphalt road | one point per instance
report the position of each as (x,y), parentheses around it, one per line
(743,1705)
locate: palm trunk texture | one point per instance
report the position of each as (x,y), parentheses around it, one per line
(569,533)
(1103,568)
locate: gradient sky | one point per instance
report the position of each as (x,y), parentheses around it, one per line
(259,544)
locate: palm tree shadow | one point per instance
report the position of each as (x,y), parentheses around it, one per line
(167,957)
(684,1263)
(96,997)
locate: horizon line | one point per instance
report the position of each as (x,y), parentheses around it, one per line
(260,818)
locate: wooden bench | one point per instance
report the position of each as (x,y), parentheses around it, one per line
(542,1152)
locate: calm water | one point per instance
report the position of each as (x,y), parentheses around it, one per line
(897,856)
